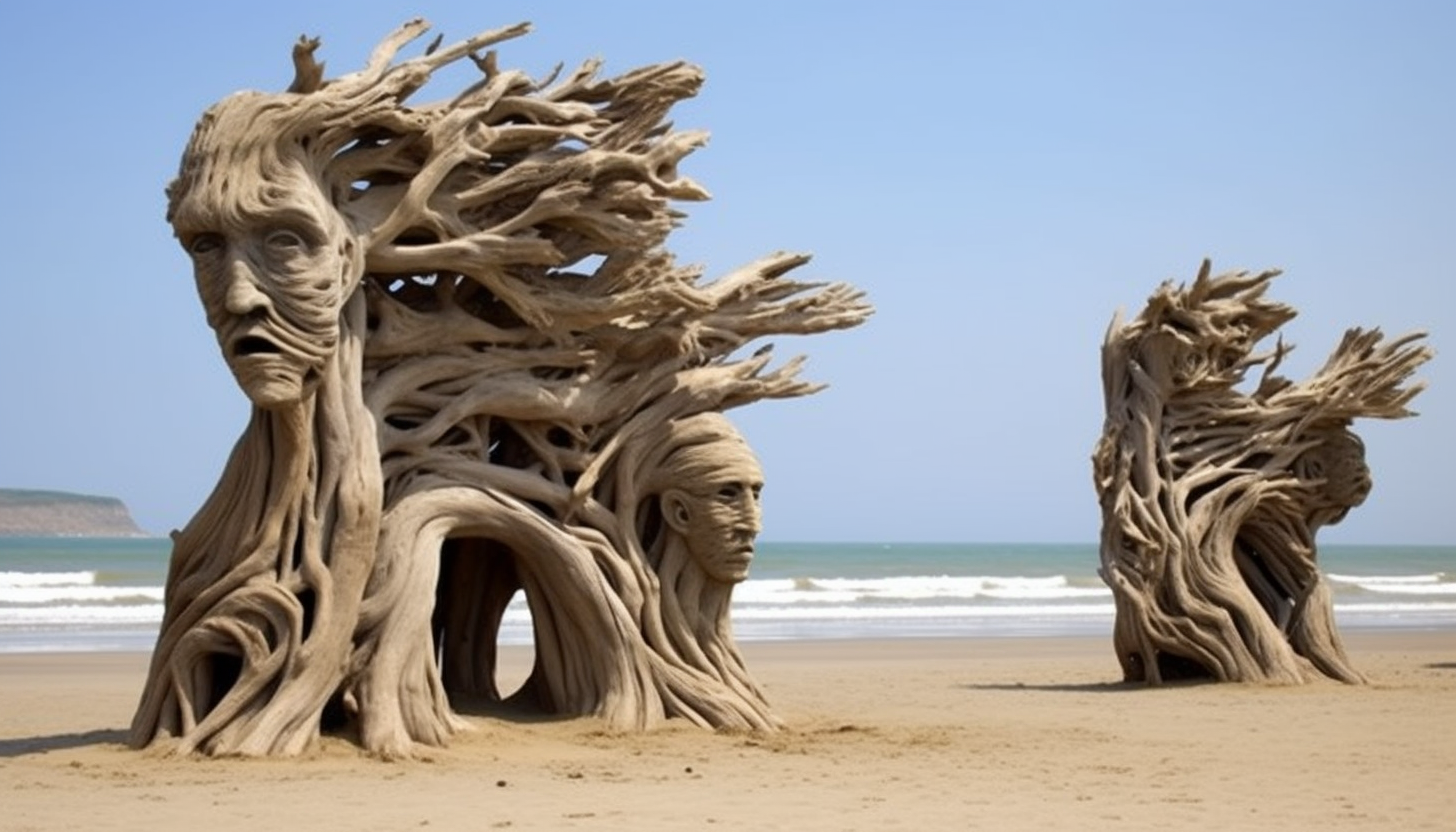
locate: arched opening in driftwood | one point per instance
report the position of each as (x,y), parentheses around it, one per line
(479,581)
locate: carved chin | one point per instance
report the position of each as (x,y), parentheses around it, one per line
(271,381)
(732,569)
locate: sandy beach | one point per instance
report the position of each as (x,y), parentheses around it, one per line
(1003,733)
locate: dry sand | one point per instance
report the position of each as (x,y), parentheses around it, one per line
(912,734)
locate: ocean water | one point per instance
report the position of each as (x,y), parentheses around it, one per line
(61,594)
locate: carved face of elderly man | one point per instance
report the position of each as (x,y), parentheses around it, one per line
(1343,479)
(272,258)
(713,499)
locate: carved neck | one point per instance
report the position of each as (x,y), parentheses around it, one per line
(297,470)
(702,602)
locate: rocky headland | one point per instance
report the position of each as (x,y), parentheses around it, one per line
(29,513)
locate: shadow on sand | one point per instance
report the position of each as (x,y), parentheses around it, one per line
(516,710)
(22,746)
(1089,687)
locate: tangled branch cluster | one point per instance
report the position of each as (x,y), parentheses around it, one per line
(1211,496)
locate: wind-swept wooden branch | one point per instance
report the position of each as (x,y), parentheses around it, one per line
(1211,496)
(475,370)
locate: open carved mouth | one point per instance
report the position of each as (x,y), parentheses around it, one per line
(255,345)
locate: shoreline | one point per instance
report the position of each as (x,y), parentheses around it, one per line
(1000,732)
(747,643)
(109,594)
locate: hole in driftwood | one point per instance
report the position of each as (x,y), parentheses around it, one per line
(580,269)
(1259,575)
(507,448)
(481,303)
(223,671)
(477,584)
(1175,668)
(308,599)
(513,672)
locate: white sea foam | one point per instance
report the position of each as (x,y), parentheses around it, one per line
(1437,608)
(1431,578)
(58,594)
(14,617)
(519,614)
(61,610)
(1430,584)
(23,579)
(826,591)
(966,611)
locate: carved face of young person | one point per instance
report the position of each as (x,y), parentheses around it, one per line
(718,512)
(272,261)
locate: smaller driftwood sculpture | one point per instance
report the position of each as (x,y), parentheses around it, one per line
(1211,496)
(475,371)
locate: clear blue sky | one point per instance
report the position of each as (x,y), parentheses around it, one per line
(999,177)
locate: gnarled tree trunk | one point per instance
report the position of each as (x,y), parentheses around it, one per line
(1211,496)
(265,583)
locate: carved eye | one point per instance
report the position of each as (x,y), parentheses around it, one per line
(1190,366)
(285,241)
(204,244)
(732,492)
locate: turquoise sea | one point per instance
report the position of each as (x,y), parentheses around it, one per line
(106,594)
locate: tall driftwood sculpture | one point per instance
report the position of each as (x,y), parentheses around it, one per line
(1212,495)
(474,370)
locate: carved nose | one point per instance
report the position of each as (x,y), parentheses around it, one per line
(243,295)
(752,516)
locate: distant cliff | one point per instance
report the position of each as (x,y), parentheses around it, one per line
(62,514)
